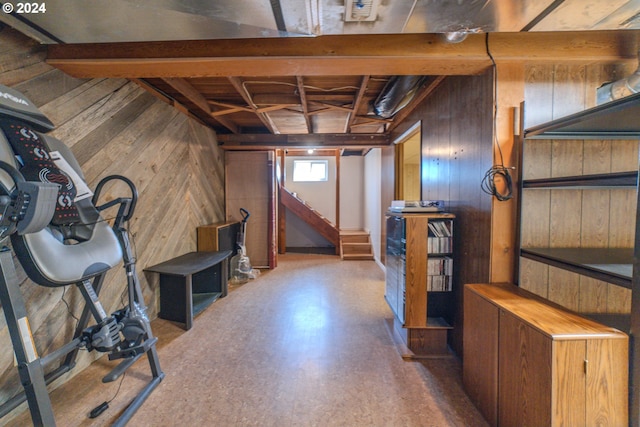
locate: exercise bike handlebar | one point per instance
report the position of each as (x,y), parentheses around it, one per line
(133,200)
(14,173)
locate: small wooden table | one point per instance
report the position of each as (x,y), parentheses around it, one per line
(190,283)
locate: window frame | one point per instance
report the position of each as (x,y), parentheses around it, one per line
(323,162)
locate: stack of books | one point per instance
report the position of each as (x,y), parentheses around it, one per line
(440,239)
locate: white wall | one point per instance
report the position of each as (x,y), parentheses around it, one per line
(372,198)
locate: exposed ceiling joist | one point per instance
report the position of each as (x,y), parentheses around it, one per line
(237,84)
(274,86)
(326,106)
(237,70)
(315,152)
(356,102)
(269,141)
(304,102)
(367,120)
(230,108)
(188,91)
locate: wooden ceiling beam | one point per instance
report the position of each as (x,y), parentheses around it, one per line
(264,118)
(230,106)
(334,97)
(274,99)
(328,106)
(303,101)
(387,54)
(275,108)
(305,152)
(188,91)
(323,140)
(320,111)
(356,102)
(426,90)
(191,93)
(219,113)
(365,120)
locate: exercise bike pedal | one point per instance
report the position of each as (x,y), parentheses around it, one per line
(129,356)
(133,351)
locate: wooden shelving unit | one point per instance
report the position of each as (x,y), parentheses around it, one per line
(613,265)
(609,123)
(421,315)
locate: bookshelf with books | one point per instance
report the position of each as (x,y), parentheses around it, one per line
(419,279)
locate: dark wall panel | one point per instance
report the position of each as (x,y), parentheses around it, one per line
(456,152)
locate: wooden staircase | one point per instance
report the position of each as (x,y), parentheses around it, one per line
(312,217)
(355,245)
(351,245)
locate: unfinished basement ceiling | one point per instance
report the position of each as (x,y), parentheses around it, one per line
(195,54)
(109,21)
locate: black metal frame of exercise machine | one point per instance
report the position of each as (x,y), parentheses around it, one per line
(31,368)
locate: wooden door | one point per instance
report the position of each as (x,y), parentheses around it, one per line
(250,184)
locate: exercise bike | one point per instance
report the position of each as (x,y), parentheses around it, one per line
(59,237)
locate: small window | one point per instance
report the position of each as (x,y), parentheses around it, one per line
(310,170)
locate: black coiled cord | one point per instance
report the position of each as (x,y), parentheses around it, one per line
(488,184)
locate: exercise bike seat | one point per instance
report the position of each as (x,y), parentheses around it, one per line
(77,244)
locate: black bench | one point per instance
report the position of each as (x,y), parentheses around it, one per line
(190,283)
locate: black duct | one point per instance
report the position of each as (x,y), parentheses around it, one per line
(396,94)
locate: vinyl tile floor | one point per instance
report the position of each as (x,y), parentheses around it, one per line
(305,344)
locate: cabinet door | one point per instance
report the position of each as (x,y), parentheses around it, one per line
(524,378)
(395,266)
(607,370)
(480,344)
(395,283)
(569,383)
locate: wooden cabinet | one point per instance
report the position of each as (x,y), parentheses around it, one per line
(419,279)
(221,236)
(530,363)
(580,244)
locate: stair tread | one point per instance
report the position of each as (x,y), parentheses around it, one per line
(355,245)
(357,256)
(350,251)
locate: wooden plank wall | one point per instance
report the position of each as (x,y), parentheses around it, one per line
(574,218)
(456,153)
(114,126)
